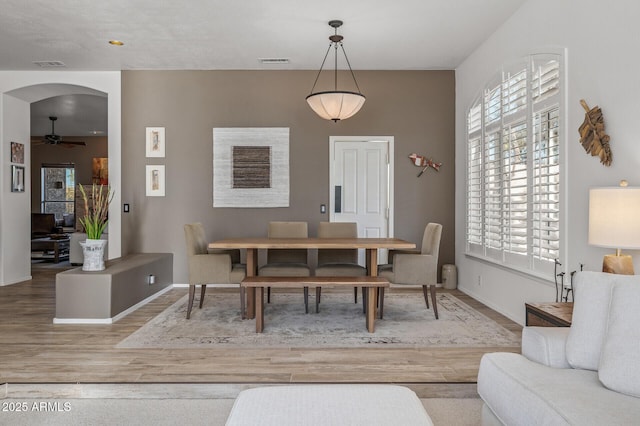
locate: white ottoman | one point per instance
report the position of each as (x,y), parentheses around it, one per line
(310,405)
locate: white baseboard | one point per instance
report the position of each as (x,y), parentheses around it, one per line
(113,319)
(17,280)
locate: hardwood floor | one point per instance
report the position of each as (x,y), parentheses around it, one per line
(34,350)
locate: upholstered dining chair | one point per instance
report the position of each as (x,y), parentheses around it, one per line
(210,267)
(286,262)
(339,262)
(413,267)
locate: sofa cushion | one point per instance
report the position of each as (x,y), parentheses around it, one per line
(592,292)
(619,368)
(522,392)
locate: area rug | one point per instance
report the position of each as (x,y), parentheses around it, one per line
(339,324)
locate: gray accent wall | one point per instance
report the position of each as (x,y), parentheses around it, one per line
(417,108)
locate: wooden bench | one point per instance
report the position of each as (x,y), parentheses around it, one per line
(373,284)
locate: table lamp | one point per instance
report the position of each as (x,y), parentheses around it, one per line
(614,222)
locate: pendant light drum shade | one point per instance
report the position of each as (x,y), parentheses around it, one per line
(335,105)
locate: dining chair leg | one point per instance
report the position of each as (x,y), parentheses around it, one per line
(203,289)
(306,300)
(426,295)
(268,294)
(192,293)
(432,290)
(381,298)
(355,295)
(318,291)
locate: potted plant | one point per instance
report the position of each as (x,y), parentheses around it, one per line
(94,221)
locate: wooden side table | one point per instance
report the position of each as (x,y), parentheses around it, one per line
(549,314)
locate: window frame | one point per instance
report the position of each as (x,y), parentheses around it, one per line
(532,259)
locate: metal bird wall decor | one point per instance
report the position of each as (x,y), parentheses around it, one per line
(592,136)
(424,162)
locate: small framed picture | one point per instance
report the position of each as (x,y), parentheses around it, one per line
(17,179)
(17,152)
(155,142)
(155,181)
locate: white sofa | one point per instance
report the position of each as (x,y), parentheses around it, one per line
(586,374)
(76,255)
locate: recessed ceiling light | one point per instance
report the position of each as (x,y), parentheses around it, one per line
(96,132)
(116,42)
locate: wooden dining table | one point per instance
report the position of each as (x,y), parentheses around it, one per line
(252,245)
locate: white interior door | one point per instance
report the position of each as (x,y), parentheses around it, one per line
(361,186)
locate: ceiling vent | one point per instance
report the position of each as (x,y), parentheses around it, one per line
(50,64)
(273,61)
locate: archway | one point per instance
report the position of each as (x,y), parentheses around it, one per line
(18,91)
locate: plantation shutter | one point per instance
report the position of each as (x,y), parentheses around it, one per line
(545,87)
(474,179)
(492,196)
(515,201)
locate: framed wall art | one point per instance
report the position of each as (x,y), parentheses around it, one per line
(17,152)
(155,178)
(251,167)
(100,170)
(17,179)
(155,142)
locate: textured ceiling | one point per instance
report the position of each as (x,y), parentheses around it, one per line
(215,34)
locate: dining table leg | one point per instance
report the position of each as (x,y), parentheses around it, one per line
(371,309)
(259,309)
(372,268)
(252,262)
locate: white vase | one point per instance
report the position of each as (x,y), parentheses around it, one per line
(93,251)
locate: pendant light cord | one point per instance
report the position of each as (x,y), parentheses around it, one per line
(349,65)
(321,66)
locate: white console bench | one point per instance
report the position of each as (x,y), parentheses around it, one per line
(103,297)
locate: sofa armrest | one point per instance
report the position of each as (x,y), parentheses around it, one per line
(546,345)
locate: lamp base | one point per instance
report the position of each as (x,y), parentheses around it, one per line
(614,264)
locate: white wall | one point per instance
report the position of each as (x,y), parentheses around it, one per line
(603,67)
(13,205)
(17,90)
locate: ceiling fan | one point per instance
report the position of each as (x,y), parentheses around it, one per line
(53,139)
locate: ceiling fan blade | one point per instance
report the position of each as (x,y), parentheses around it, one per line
(72,143)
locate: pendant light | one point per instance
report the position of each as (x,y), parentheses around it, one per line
(335,104)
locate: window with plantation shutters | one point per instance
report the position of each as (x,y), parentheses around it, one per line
(514,167)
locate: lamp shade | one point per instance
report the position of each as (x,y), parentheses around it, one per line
(335,105)
(614,217)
